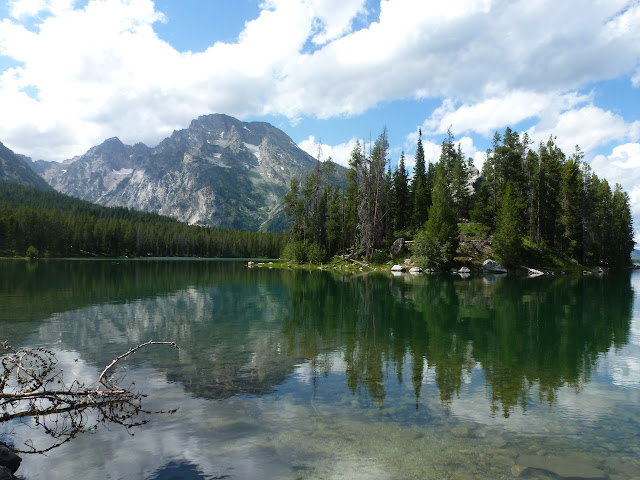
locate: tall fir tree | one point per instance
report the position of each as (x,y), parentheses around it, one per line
(508,236)
(438,241)
(400,205)
(419,191)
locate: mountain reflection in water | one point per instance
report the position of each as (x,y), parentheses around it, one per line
(408,350)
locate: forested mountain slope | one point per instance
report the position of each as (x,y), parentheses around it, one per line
(59,225)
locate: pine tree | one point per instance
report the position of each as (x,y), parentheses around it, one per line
(622,229)
(508,236)
(419,191)
(400,206)
(438,241)
(572,198)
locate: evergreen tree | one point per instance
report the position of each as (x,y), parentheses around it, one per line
(508,236)
(460,185)
(352,196)
(419,191)
(571,218)
(334,223)
(622,229)
(400,207)
(438,241)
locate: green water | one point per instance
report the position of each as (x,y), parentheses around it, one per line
(318,375)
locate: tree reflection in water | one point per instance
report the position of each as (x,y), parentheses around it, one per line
(522,333)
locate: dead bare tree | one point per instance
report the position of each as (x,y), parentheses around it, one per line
(32,386)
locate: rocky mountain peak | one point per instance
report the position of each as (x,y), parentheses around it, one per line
(220,171)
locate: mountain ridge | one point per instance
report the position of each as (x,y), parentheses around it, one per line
(219,171)
(15,168)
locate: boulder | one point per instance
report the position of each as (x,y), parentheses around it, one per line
(464,270)
(493,266)
(5,474)
(398,268)
(415,270)
(397,248)
(9,460)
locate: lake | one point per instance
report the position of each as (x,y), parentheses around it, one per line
(292,374)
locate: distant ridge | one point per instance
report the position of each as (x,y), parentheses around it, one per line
(220,172)
(14,169)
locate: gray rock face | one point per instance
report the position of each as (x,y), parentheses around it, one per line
(220,172)
(493,266)
(397,248)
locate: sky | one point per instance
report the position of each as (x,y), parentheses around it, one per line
(327,72)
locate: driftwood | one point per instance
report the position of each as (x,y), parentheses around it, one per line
(31,386)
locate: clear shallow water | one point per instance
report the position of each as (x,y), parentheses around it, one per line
(310,375)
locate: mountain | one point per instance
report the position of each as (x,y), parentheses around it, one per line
(219,171)
(14,169)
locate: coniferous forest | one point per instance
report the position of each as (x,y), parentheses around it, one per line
(531,202)
(41,223)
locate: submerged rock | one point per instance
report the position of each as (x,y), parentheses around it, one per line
(562,467)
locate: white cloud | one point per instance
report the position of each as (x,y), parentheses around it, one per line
(623,166)
(101,70)
(340,154)
(19,9)
(495,112)
(589,127)
(335,18)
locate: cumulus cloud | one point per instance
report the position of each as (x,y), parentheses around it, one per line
(494,112)
(589,127)
(623,166)
(340,153)
(97,69)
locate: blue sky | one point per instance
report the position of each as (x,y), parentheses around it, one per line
(73,73)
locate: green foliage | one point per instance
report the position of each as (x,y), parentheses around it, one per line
(508,236)
(438,241)
(420,191)
(316,254)
(295,252)
(473,229)
(32,252)
(539,205)
(67,227)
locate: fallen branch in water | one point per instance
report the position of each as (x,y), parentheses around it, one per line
(32,387)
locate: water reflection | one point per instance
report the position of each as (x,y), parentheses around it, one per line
(295,374)
(544,332)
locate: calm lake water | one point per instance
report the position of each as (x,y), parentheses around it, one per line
(319,375)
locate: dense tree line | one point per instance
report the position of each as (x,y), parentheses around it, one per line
(61,226)
(534,203)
